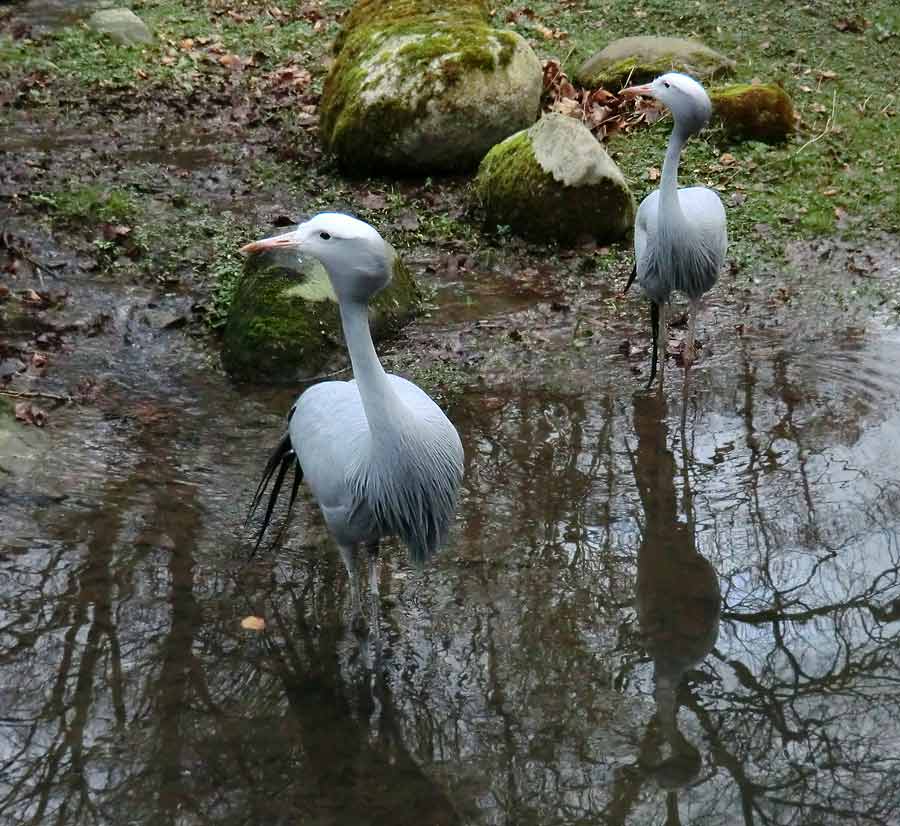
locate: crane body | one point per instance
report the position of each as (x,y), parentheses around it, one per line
(379,456)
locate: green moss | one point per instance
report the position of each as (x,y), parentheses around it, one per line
(759,112)
(444,381)
(511,182)
(630,70)
(381,14)
(352,126)
(640,69)
(283,322)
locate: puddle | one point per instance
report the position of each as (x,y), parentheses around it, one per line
(184,149)
(651,610)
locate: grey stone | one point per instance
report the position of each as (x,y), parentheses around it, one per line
(639,59)
(21,446)
(9,367)
(121,25)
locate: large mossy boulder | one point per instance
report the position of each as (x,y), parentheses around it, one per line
(762,111)
(420,86)
(554,181)
(284,322)
(640,59)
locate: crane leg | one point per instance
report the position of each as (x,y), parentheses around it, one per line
(654,335)
(661,339)
(374,595)
(689,349)
(357,620)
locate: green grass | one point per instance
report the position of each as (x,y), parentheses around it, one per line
(87,204)
(839,174)
(844,162)
(225,269)
(87,59)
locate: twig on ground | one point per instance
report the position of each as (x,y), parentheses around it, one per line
(34,394)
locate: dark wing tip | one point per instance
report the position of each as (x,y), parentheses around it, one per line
(280,460)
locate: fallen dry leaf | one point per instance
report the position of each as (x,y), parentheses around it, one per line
(567,106)
(30,414)
(855,25)
(231,61)
(373,200)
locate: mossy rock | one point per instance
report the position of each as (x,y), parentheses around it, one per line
(554,182)
(761,111)
(418,88)
(640,59)
(384,13)
(284,322)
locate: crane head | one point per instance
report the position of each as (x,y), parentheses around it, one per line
(358,260)
(685,97)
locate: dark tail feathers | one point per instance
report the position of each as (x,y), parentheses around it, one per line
(630,278)
(281,460)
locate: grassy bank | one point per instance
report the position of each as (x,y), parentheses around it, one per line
(241,81)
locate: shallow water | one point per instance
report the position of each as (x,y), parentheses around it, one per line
(679,608)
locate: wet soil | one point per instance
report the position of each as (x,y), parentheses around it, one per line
(655,607)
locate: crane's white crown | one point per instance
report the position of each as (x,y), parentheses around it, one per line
(685,97)
(358,260)
(340,227)
(679,82)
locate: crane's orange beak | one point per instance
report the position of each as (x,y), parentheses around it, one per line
(288,239)
(645,90)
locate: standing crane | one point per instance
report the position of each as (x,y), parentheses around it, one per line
(379,456)
(680,235)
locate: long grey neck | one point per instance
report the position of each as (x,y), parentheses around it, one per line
(670,215)
(382,407)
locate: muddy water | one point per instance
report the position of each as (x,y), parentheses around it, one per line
(679,608)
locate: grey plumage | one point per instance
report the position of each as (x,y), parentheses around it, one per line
(379,456)
(685,257)
(680,235)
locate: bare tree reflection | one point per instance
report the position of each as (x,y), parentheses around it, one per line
(549,668)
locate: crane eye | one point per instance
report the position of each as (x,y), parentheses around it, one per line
(324,235)
(666,84)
